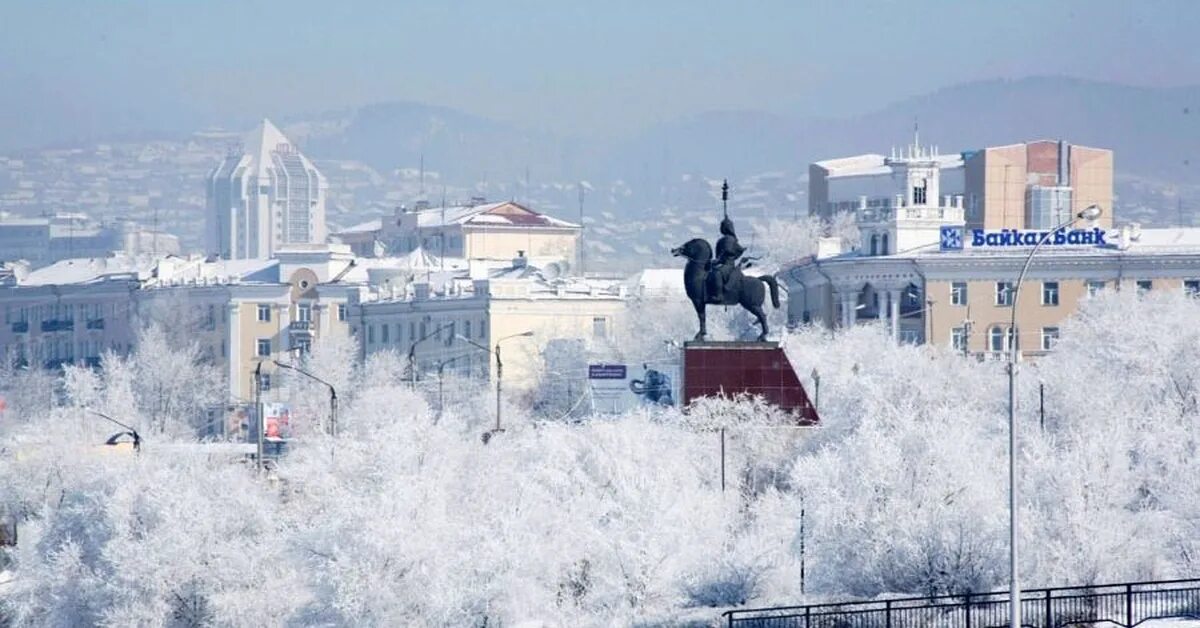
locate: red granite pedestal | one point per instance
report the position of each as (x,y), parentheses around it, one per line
(726,369)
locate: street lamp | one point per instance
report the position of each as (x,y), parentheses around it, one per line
(816,377)
(499,374)
(412,354)
(1014,591)
(112,440)
(440,368)
(332,393)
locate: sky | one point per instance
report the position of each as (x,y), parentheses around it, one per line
(583,69)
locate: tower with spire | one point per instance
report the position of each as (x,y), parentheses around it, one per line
(264,195)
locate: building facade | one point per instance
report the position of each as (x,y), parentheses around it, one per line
(1034,185)
(963,298)
(476,230)
(439,318)
(240,313)
(264,197)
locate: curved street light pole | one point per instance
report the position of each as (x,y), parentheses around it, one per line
(333,402)
(412,355)
(137,438)
(1014,585)
(499,371)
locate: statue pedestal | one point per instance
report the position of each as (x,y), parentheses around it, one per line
(725,369)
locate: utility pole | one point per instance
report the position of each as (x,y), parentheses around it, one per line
(258,415)
(725,198)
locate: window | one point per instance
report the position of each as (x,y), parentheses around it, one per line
(1191,287)
(341,311)
(399,333)
(370,334)
(467,328)
(958,293)
(996,339)
(264,347)
(1144,286)
(1004,293)
(599,327)
(384,330)
(264,313)
(211,322)
(304,312)
(874,244)
(919,193)
(883,247)
(1094,287)
(1049,338)
(450,333)
(1049,293)
(265,378)
(412,331)
(958,339)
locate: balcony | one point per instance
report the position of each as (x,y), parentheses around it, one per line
(95,323)
(54,325)
(20,327)
(300,328)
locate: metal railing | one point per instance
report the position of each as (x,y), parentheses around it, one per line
(1126,604)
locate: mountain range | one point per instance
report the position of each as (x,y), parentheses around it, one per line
(1154,131)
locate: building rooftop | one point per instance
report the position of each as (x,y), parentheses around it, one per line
(505,213)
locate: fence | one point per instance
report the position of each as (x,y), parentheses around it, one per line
(1127,604)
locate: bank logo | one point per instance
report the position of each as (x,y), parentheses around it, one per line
(952,238)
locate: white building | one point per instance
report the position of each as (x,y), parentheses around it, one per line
(434,315)
(264,198)
(878,181)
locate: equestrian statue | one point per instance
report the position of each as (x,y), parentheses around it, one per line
(719,280)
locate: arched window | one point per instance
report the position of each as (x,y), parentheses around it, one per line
(884,250)
(874,244)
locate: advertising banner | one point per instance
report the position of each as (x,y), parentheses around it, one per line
(277,423)
(616,390)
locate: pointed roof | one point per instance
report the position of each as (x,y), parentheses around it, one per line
(265,138)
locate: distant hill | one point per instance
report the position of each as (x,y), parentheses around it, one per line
(1154,131)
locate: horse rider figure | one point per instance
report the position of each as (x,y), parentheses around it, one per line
(722,274)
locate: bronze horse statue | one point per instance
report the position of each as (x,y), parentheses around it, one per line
(748,292)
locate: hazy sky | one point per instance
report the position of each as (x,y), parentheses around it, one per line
(585,68)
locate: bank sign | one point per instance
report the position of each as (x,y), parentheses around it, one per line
(955,238)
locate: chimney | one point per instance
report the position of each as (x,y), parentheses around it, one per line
(520,261)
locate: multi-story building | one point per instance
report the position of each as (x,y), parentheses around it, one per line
(439,316)
(42,241)
(961,293)
(1036,185)
(264,197)
(241,312)
(476,230)
(1032,185)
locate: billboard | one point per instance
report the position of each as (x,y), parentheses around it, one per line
(615,389)
(277,423)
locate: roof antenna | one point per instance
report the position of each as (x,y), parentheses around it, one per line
(916,138)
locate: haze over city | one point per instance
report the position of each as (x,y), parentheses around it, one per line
(657,314)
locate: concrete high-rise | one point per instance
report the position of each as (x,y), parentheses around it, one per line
(264,196)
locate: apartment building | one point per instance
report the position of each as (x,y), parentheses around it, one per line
(1034,185)
(240,312)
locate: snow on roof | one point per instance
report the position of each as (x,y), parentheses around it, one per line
(657,282)
(873,164)
(86,270)
(507,213)
(365,227)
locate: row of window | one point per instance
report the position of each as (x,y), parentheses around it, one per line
(1005,293)
(303,312)
(1001,339)
(444,333)
(60,311)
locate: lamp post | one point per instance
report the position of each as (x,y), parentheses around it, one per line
(332,393)
(441,400)
(412,354)
(259,426)
(1014,589)
(499,374)
(112,440)
(816,377)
